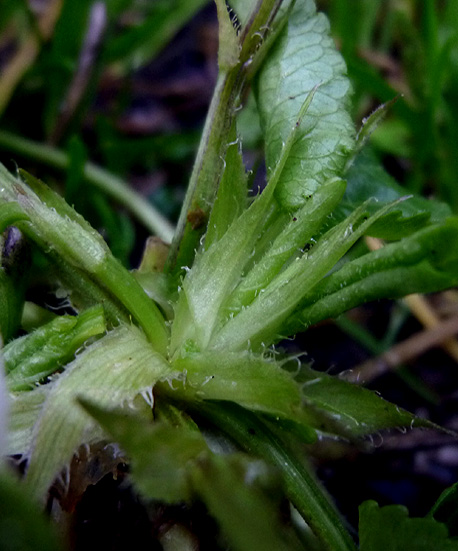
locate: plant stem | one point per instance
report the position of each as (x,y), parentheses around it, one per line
(206,174)
(110,184)
(210,161)
(129,292)
(302,488)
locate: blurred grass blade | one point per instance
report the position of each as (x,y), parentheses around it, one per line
(98,177)
(160,21)
(62,57)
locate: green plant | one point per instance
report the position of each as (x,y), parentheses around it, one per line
(190,339)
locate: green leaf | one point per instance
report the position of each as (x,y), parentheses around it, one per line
(111,371)
(446,509)
(232,197)
(367,178)
(254,382)
(215,273)
(229,46)
(304,57)
(33,357)
(369,125)
(243,9)
(23,526)
(390,529)
(4,406)
(261,323)
(302,226)
(44,208)
(358,411)
(175,464)
(61,232)
(249,512)
(421,263)
(25,409)
(256,437)
(160,454)
(10,213)
(227,258)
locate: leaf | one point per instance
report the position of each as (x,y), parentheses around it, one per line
(62,233)
(359,411)
(229,47)
(160,454)
(218,269)
(111,371)
(369,125)
(249,512)
(300,229)
(25,409)
(390,529)
(215,273)
(367,178)
(4,406)
(304,57)
(261,323)
(10,213)
(33,357)
(23,526)
(232,197)
(243,9)
(175,464)
(421,263)
(307,495)
(446,509)
(255,383)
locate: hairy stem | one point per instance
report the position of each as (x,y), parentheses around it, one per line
(206,174)
(209,165)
